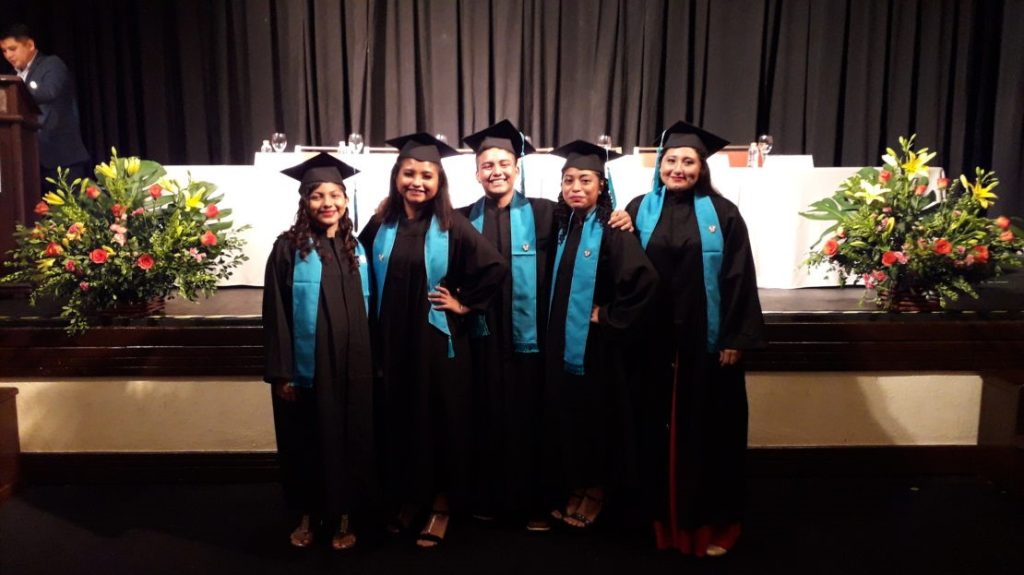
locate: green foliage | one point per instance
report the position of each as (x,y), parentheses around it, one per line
(129,235)
(895,231)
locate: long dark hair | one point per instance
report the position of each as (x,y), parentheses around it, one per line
(440,206)
(305,235)
(563,213)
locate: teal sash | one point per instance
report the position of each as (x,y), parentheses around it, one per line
(581,292)
(435,252)
(712,246)
(524,270)
(306,274)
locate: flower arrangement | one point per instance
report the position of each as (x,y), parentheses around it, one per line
(897,233)
(130,236)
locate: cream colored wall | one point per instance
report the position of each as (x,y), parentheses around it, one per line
(845,409)
(234,414)
(148,415)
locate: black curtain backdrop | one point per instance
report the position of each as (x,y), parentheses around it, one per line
(204,81)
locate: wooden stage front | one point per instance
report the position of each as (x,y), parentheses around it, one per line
(810,329)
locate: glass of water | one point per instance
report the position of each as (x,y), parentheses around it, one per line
(279,141)
(605,141)
(355,142)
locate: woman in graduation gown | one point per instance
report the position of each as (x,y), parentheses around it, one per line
(602,283)
(317,345)
(707,312)
(430,269)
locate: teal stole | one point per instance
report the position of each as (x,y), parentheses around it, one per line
(581,291)
(435,256)
(306,274)
(712,247)
(524,270)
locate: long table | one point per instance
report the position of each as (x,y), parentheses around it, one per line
(769,198)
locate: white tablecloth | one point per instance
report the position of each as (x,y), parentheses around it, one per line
(769,198)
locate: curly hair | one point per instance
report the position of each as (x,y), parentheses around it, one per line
(563,213)
(440,206)
(305,235)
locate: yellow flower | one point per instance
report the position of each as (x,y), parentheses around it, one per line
(108,171)
(194,201)
(982,193)
(918,165)
(53,199)
(131,165)
(45,263)
(870,193)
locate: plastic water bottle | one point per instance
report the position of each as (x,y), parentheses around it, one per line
(753,156)
(266,148)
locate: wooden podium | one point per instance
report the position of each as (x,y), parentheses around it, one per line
(19,159)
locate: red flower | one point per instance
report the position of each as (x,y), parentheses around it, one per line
(981,254)
(831,248)
(879,275)
(889,258)
(1006,236)
(138,211)
(155,190)
(92,192)
(53,249)
(117,210)
(942,183)
(920,189)
(145,261)
(1003,222)
(98,256)
(211,211)
(69,265)
(942,247)
(885,176)
(84,286)
(42,208)
(208,238)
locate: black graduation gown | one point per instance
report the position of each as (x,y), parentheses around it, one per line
(709,401)
(588,420)
(508,386)
(325,439)
(425,397)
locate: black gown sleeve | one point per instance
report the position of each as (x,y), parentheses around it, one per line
(277,314)
(475,270)
(742,324)
(633,278)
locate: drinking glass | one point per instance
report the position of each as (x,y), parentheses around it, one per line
(442,138)
(765,142)
(279,141)
(605,141)
(355,142)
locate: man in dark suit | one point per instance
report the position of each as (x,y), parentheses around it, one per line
(50,83)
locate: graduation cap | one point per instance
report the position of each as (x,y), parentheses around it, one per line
(583,155)
(321,168)
(423,147)
(681,135)
(503,135)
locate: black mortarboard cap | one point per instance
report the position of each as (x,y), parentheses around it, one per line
(321,168)
(583,155)
(681,135)
(423,147)
(503,135)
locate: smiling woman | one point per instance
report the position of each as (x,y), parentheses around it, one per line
(430,268)
(317,345)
